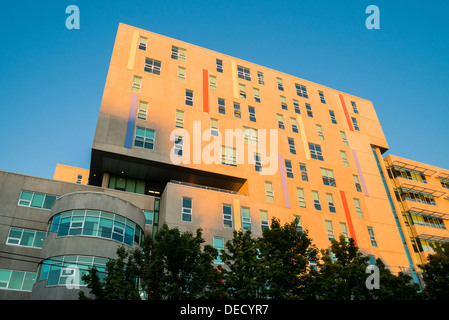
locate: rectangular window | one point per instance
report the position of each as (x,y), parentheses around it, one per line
(296,106)
(179,119)
(178,53)
(330,202)
(257,162)
(356,125)
(36,200)
(142,110)
(328,177)
(227,216)
(214,127)
(291,145)
(322,96)
(301,90)
(354,107)
(316,200)
(137,84)
(79,178)
(344,231)
(252,114)
(280,119)
(289,168)
(260,77)
(251,135)
(332,115)
(178,145)
(212,82)
(372,237)
(301,197)
(343,138)
(144,138)
(283,103)
(243,73)
(344,158)
(298,224)
(26,238)
(219,245)
(264,223)
(309,110)
(219,64)
(256,94)
(221,106)
(143,43)
(152,66)
(319,130)
(186,209)
(443,181)
(269,191)
(17,280)
(303,168)
(149,217)
(237,111)
(246,218)
(358,187)
(294,125)
(242,91)
(280,84)
(181,73)
(330,230)
(189,97)
(315,152)
(358,208)
(228,156)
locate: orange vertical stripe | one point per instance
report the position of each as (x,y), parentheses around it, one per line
(346,113)
(205,90)
(348,216)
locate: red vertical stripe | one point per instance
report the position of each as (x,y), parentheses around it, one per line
(346,113)
(348,216)
(205,90)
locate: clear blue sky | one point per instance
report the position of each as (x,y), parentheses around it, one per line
(52,78)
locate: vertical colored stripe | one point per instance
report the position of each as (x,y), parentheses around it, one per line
(284,181)
(303,137)
(346,113)
(235,85)
(132,51)
(205,90)
(131,121)
(359,170)
(348,216)
(237,214)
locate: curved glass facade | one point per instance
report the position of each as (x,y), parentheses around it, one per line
(93,223)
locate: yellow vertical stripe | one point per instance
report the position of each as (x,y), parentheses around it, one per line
(132,51)
(235,85)
(303,137)
(237,215)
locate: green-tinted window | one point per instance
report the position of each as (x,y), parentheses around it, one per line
(38,200)
(15,283)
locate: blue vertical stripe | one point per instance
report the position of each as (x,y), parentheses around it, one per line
(131,121)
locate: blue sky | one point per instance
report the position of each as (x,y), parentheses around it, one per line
(52,78)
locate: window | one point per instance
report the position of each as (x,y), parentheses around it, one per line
(79,179)
(219,64)
(322,96)
(354,122)
(257,162)
(316,200)
(328,177)
(344,158)
(299,223)
(309,110)
(36,200)
(179,119)
(264,224)
(301,198)
(189,97)
(243,73)
(443,181)
(416,196)
(303,168)
(227,216)
(178,145)
(372,237)
(214,127)
(296,106)
(181,73)
(17,280)
(142,110)
(354,107)
(212,82)
(358,187)
(330,230)
(186,209)
(332,115)
(291,145)
(143,43)
(149,217)
(358,208)
(269,191)
(219,245)
(280,121)
(256,94)
(343,138)
(280,84)
(137,84)
(221,106)
(294,125)
(26,238)
(330,202)
(289,168)
(152,66)
(178,53)
(237,111)
(228,156)
(252,114)
(246,218)
(319,130)
(242,91)
(283,103)
(144,138)
(260,77)
(344,231)
(315,151)
(251,135)
(411,175)
(301,90)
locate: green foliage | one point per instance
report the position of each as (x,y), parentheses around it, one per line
(436,273)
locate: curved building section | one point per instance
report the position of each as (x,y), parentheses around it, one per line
(84,230)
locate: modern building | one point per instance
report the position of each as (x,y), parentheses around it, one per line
(199,139)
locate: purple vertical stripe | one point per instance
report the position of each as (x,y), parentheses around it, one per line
(284,181)
(362,179)
(131,121)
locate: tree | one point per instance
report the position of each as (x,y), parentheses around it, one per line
(436,273)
